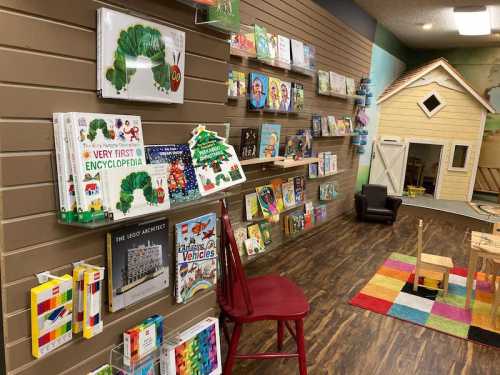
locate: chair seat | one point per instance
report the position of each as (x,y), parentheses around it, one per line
(273,298)
(379,211)
(437,260)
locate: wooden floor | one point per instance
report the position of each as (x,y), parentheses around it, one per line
(332,265)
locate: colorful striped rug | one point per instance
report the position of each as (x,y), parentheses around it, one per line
(390,292)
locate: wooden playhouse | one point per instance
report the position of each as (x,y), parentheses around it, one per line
(430,132)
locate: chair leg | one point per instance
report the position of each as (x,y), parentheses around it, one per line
(301,349)
(281,334)
(445,282)
(233,348)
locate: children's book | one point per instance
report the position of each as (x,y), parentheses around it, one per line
(67,201)
(297,97)
(337,83)
(350,86)
(261,42)
(327,157)
(254,232)
(285,96)
(267,201)
(100,142)
(309,56)
(325,129)
(284,49)
(240,235)
(232,84)
(299,185)
(313,170)
(215,162)
(51,315)
(327,191)
(248,143)
(332,124)
(278,193)
(323,83)
(252,246)
(225,15)
(138,262)
(321,164)
(295,146)
(316,125)
(136,191)
(348,125)
(265,230)
(273,45)
(244,41)
(269,140)
(288,194)
(252,208)
(340,127)
(195,351)
(308,139)
(274,95)
(258,86)
(298,57)
(196,247)
(181,177)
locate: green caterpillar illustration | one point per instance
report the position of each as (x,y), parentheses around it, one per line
(99,124)
(144,41)
(136,180)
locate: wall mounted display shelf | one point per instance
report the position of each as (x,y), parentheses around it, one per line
(272,111)
(326,137)
(259,219)
(342,96)
(290,163)
(261,160)
(340,171)
(150,361)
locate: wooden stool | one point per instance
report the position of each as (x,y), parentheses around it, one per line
(432,263)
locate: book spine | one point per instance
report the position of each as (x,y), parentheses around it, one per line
(73,151)
(56,123)
(178,277)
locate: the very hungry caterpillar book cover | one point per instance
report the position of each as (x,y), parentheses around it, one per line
(196,248)
(100,142)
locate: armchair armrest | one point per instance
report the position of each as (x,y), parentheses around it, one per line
(393,204)
(361,203)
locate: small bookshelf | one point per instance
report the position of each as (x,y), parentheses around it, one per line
(334,136)
(261,160)
(289,163)
(272,111)
(340,171)
(242,53)
(306,71)
(342,96)
(259,219)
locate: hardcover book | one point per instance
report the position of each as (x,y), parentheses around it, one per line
(298,58)
(274,95)
(348,125)
(241,89)
(299,185)
(232,84)
(309,56)
(240,235)
(313,170)
(278,193)
(196,247)
(321,164)
(139,59)
(288,194)
(323,82)
(340,127)
(327,191)
(337,83)
(254,233)
(252,246)
(332,124)
(298,97)
(181,177)
(284,49)
(267,201)
(100,142)
(295,147)
(215,162)
(307,148)
(252,209)
(136,191)
(244,41)
(316,125)
(325,129)
(350,86)
(225,15)
(273,45)
(261,42)
(248,143)
(265,230)
(259,85)
(138,263)
(285,96)
(269,140)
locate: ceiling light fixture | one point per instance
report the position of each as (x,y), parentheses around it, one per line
(427,26)
(473,20)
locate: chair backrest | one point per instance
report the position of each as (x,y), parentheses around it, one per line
(232,286)
(420,240)
(376,195)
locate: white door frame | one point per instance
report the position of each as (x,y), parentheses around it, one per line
(439,178)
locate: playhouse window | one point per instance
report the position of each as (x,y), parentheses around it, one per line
(432,104)
(459,156)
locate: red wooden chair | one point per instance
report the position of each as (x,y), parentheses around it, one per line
(246,300)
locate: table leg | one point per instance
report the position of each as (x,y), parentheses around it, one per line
(470,276)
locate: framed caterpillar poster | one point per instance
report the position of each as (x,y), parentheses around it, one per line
(139,59)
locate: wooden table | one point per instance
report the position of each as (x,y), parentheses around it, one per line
(483,245)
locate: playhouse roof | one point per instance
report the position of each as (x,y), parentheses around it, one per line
(413,75)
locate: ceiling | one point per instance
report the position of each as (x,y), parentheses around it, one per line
(405,18)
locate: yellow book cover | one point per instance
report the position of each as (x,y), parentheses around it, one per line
(254,232)
(278,193)
(92,293)
(274,96)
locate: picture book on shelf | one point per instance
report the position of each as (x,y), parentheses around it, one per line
(325,129)
(327,191)
(308,139)
(258,87)
(181,177)
(138,262)
(122,40)
(273,45)
(252,208)
(51,315)
(196,253)
(309,56)
(288,194)
(261,42)
(297,97)
(265,231)
(350,86)
(240,235)
(284,49)
(327,163)
(295,146)
(269,140)
(337,83)
(237,84)
(278,193)
(248,143)
(195,351)
(267,201)
(66,188)
(255,233)
(215,162)
(244,42)
(252,246)
(274,95)
(313,170)
(225,15)
(298,58)
(340,128)
(332,124)
(348,125)
(321,164)
(299,185)
(136,191)
(323,82)
(97,143)
(285,96)
(316,125)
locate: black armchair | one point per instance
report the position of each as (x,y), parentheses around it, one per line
(373,203)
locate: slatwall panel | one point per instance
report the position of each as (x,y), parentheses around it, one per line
(48,64)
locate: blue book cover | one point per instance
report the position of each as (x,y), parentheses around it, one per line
(196,248)
(182,185)
(259,85)
(269,140)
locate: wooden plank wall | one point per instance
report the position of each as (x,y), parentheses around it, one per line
(48,64)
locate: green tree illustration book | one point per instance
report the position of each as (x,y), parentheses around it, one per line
(227,13)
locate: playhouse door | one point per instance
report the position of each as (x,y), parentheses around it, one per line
(388,165)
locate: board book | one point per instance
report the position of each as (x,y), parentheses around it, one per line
(267,201)
(274,95)
(323,82)
(252,208)
(244,42)
(316,125)
(255,233)
(138,262)
(265,231)
(252,246)
(278,193)
(273,45)
(196,256)
(285,96)
(261,42)
(181,178)
(325,130)
(350,86)
(258,87)
(298,57)
(284,53)
(248,143)
(299,186)
(295,147)
(297,97)
(269,140)
(51,315)
(337,83)
(288,194)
